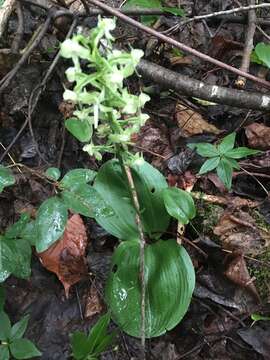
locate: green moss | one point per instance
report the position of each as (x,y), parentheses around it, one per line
(207,218)
(261,271)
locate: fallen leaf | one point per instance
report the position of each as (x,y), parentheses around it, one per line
(66,258)
(93,304)
(258,338)
(192,123)
(258,136)
(238,273)
(238,232)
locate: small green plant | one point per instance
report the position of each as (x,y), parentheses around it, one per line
(261,54)
(12,342)
(258,317)
(89,347)
(222,157)
(153,4)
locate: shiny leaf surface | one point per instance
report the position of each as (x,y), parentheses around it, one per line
(170,281)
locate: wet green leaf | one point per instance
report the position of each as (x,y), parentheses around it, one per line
(179,204)
(77,176)
(85,200)
(112,186)
(170,282)
(2,298)
(50,223)
(174,10)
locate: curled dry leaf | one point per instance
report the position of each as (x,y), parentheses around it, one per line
(238,273)
(258,136)
(93,304)
(238,232)
(66,258)
(192,123)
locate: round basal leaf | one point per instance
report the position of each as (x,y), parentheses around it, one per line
(112,185)
(85,200)
(50,223)
(2,298)
(170,281)
(80,129)
(6,178)
(77,176)
(179,204)
(53,173)
(23,349)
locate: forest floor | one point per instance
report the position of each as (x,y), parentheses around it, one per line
(229,240)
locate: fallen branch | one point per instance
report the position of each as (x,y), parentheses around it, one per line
(195,88)
(177,44)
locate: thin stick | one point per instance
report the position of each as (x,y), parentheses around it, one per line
(142,256)
(241,81)
(177,44)
(227,12)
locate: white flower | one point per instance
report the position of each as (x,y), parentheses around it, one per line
(143,98)
(136,55)
(71,48)
(71,74)
(106,25)
(70,95)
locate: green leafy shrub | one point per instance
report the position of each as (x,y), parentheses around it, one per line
(222,158)
(89,347)
(12,341)
(153,4)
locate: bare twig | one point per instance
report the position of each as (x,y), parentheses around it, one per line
(15,47)
(263,32)
(195,88)
(226,12)
(142,257)
(177,44)
(241,81)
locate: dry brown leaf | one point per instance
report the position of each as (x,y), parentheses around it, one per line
(66,258)
(238,273)
(238,232)
(180,60)
(93,304)
(258,136)
(192,123)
